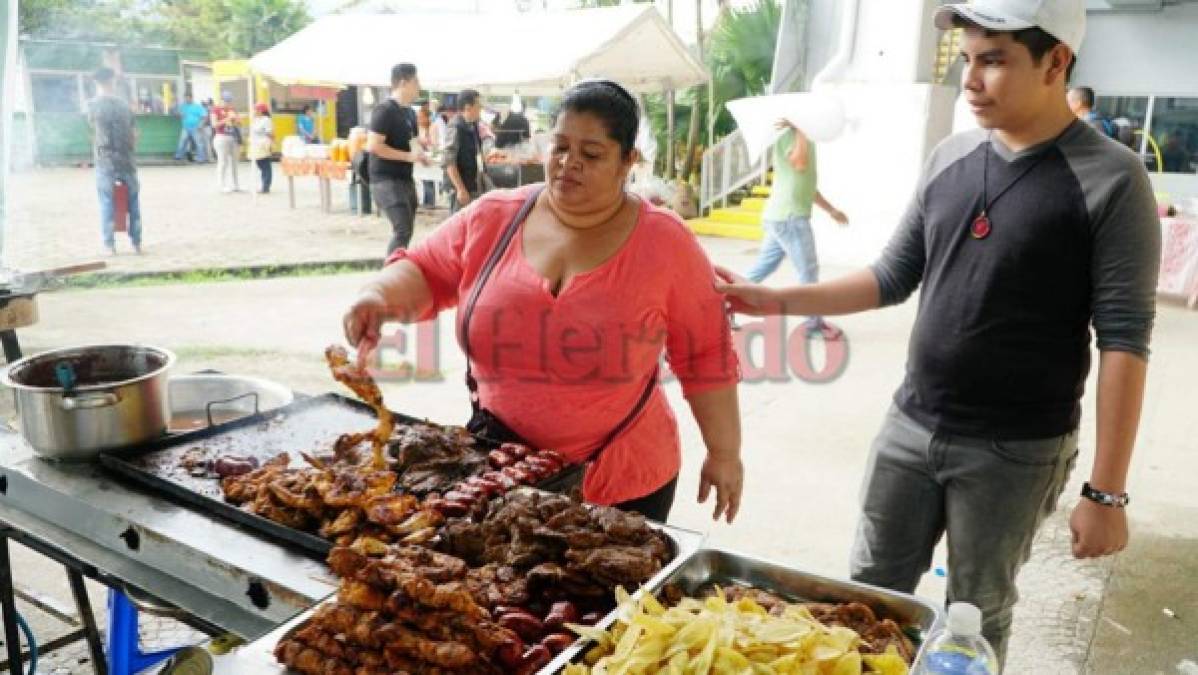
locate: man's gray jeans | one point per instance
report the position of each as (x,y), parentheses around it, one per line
(988,496)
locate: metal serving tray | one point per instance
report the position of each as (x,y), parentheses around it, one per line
(715,566)
(258,656)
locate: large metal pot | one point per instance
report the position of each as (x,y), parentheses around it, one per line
(119,398)
(205,399)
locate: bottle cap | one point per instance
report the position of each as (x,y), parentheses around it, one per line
(964,619)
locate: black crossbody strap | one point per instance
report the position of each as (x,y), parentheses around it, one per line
(501,246)
(641,402)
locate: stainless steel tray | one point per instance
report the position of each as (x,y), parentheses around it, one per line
(714,566)
(258,656)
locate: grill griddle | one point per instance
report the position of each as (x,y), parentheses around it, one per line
(308,425)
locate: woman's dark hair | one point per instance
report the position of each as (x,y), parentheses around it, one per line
(611,103)
(1036,39)
(306,108)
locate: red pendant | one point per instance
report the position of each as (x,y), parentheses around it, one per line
(981,227)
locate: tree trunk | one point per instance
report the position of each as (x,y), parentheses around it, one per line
(692,133)
(671,161)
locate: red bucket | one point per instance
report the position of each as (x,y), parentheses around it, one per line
(120,207)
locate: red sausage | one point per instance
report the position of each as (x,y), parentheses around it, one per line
(517,450)
(523,624)
(546,467)
(500,459)
(536,658)
(558,642)
(560,614)
(505,481)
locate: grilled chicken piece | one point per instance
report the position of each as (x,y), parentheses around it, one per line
(421,591)
(346,487)
(345,522)
(243,488)
(406,642)
(390,510)
(362,596)
(364,387)
(303,659)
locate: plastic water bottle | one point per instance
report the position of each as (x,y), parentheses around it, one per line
(958,649)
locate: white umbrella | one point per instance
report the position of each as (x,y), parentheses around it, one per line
(819,116)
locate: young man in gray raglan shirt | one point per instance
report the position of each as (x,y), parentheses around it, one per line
(1022,233)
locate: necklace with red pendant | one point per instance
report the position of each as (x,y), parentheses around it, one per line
(981,227)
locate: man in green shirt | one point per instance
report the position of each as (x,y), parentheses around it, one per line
(787,216)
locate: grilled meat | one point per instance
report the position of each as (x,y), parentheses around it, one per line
(363,385)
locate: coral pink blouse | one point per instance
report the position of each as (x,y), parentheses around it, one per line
(563,371)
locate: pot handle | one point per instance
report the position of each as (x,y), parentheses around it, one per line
(208,406)
(90,401)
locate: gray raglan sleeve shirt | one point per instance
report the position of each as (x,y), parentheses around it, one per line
(1125,236)
(1125,247)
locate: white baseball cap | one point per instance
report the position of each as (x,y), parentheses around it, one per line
(1063,19)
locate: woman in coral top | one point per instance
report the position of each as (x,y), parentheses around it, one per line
(567,295)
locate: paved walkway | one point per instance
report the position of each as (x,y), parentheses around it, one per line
(187,223)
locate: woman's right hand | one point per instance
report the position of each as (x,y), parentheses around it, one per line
(363,323)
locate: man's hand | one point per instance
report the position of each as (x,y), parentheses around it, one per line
(746,297)
(1097,530)
(463,197)
(839,217)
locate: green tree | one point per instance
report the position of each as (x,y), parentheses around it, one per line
(740,56)
(100,20)
(739,53)
(221,28)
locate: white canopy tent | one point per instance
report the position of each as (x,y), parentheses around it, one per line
(531,54)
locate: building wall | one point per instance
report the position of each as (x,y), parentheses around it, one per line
(55,130)
(896,116)
(1156,55)
(1129,53)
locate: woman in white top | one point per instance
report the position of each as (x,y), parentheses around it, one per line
(262,136)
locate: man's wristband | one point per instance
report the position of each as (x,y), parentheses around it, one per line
(1117,500)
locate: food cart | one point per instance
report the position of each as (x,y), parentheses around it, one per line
(434,549)
(286,101)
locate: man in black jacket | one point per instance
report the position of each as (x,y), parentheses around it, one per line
(462,148)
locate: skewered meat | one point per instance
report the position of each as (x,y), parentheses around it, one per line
(398,561)
(408,643)
(303,659)
(403,610)
(363,385)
